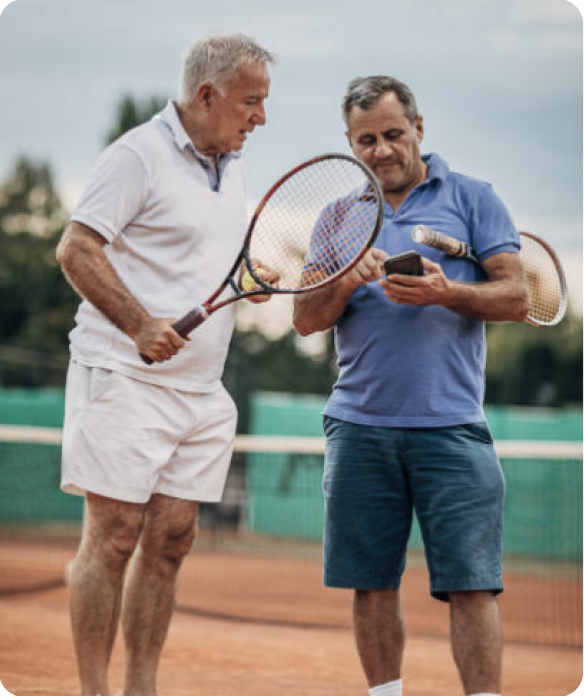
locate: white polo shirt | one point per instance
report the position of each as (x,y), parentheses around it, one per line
(172,240)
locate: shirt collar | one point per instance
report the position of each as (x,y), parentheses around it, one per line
(169,116)
(438,168)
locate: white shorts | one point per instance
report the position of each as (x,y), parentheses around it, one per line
(127,439)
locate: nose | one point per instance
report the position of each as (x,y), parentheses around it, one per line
(383,149)
(259,116)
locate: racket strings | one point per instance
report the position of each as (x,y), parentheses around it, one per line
(316,223)
(547,290)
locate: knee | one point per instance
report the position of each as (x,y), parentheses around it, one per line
(171,544)
(373,600)
(471,599)
(111,533)
(122,540)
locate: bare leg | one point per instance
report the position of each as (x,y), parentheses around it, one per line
(168,535)
(379,634)
(110,534)
(477,642)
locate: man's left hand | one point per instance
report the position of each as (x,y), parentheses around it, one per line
(433,288)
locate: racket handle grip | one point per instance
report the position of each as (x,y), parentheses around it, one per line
(190,321)
(184,326)
(453,247)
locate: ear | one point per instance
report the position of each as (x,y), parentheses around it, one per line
(205,96)
(419,126)
(348,136)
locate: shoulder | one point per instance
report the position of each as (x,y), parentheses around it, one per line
(468,185)
(146,142)
(470,193)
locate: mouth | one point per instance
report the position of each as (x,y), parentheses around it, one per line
(387,165)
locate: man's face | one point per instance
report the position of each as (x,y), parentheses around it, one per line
(384,139)
(240,107)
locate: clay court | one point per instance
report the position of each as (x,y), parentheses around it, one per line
(250,623)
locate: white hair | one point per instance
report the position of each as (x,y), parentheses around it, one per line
(216,59)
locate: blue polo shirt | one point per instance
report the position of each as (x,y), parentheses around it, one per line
(421,367)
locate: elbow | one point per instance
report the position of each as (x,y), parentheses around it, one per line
(301,322)
(521,306)
(302,328)
(63,252)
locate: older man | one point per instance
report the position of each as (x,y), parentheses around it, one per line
(157,229)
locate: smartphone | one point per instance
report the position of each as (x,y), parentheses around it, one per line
(408,263)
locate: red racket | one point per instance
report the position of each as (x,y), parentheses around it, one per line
(311,227)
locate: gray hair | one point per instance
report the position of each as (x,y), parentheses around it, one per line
(365,92)
(216,60)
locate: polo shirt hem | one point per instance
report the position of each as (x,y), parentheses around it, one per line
(144,376)
(440,421)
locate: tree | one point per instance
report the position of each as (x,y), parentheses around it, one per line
(132,113)
(37,305)
(256,363)
(527,366)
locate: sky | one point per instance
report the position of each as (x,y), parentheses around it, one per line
(499,83)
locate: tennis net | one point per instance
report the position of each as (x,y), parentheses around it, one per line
(257,557)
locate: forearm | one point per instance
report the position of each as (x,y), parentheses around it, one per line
(504,300)
(320,310)
(89,271)
(503,297)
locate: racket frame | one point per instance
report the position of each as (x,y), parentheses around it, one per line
(244,256)
(466,252)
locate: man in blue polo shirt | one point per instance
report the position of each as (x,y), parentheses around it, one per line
(405,425)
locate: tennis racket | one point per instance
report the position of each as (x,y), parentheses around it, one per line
(312,226)
(548,292)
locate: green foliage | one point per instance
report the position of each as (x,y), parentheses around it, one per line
(535,366)
(256,363)
(37,308)
(132,113)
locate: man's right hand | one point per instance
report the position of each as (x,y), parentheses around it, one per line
(369,268)
(158,340)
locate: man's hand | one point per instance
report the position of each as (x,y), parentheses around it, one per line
(158,340)
(503,296)
(368,269)
(433,288)
(265,273)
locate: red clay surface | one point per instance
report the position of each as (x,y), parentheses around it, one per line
(214,657)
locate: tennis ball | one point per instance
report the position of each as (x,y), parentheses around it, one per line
(247,281)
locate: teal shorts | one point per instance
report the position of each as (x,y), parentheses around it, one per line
(376,477)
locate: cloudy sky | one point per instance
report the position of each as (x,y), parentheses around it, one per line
(499,83)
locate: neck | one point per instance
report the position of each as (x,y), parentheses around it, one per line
(396,197)
(196,132)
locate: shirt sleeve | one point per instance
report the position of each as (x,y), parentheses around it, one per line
(115,194)
(492,229)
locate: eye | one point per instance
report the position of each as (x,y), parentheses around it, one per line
(392,135)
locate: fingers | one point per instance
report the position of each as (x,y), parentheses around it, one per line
(268,275)
(431,288)
(158,340)
(369,268)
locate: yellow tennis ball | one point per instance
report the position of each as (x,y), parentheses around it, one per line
(247,282)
